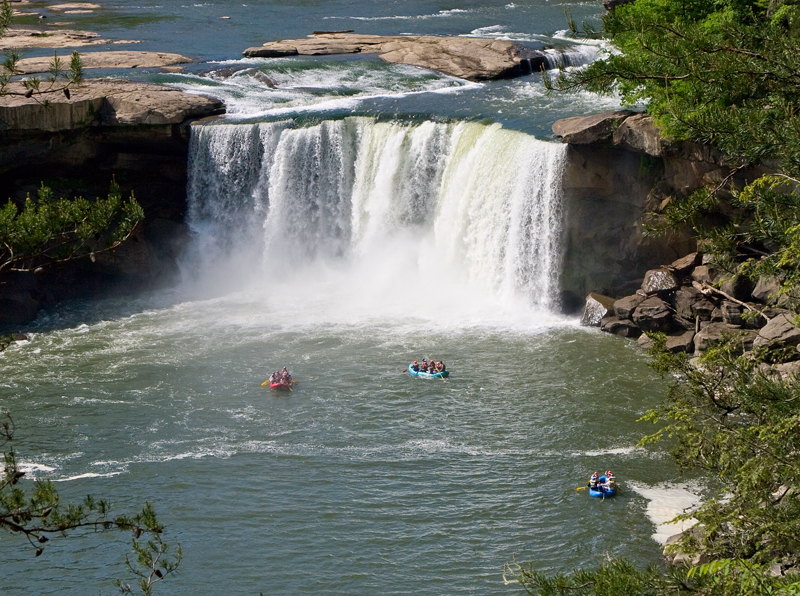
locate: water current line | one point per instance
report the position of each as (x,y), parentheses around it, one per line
(479,200)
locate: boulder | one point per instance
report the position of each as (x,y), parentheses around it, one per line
(622,327)
(738,286)
(659,280)
(788,369)
(683,342)
(597,306)
(639,133)
(685,298)
(703,308)
(713,333)
(752,319)
(583,130)
(704,274)
(766,290)
(624,307)
(677,556)
(778,332)
(732,312)
(685,264)
(644,342)
(653,314)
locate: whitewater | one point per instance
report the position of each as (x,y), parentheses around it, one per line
(347,218)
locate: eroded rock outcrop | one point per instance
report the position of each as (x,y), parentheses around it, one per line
(471,58)
(102,102)
(132,132)
(112,59)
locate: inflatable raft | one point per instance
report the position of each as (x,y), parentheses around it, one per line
(280,386)
(425,375)
(601,491)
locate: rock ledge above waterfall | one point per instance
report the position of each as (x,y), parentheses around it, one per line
(102,102)
(470,58)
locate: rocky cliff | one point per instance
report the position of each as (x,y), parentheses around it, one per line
(134,132)
(620,169)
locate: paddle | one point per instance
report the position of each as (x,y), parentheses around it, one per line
(264,384)
(580,488)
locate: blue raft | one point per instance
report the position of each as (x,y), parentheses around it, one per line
(602,492)
(425,375)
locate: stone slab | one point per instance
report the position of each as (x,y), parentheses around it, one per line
(102,102)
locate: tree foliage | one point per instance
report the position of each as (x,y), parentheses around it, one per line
(50,230)
(39,516)
(725,73)
(617,577)
(61,77)
(731,417)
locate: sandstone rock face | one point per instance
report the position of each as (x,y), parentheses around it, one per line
(639,133)
(653,314)
(605,199)
(582,130)
(659,280)
(121,59)
(469,58)
(778,332)
(597,306)
(713,333)
(104,102)
(624,307)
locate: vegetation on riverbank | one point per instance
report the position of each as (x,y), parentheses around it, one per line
(722,74)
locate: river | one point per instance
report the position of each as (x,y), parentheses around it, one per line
(349,217)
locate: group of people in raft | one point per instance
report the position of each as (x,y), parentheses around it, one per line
(428,367)
(281,376)
(610,483)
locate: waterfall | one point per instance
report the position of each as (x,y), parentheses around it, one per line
(476,200)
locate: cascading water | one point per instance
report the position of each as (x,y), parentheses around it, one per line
(476,200)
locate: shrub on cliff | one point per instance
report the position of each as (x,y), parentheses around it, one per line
(722,74)
(50,230)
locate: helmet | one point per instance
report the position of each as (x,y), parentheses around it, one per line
(608,473)
(415,361)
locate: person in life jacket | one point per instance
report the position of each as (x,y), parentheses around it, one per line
(286,377)
(610,482)
(424,365)
(593,481)
(275,377)
(415,366)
